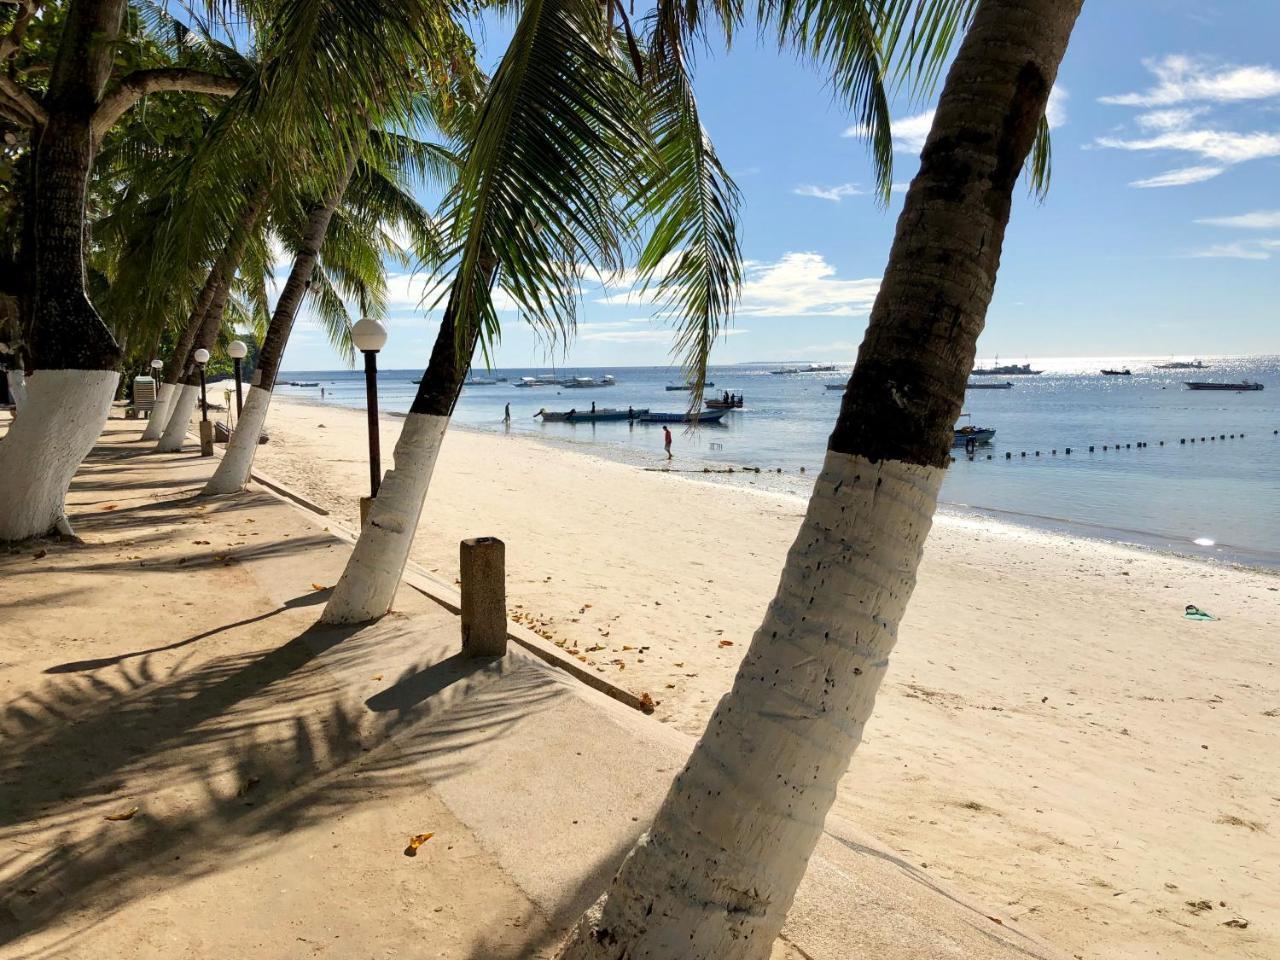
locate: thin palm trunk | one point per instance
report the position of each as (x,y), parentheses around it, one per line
(237,463)
(369,581)
(718,869)
(70,347)
(205,322)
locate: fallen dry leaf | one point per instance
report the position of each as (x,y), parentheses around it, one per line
(39,553)
(201,543)
(646,703)
(415,842)
(726,643)
(127,815)
(110,506)
(318,586)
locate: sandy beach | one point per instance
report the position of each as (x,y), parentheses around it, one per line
(1053,736)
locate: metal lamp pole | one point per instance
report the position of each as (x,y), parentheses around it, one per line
(201,357)
(237,351)
(369,336)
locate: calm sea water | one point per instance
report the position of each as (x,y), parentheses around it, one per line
(1217,497)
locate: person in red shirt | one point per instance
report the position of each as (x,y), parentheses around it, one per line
(666,441)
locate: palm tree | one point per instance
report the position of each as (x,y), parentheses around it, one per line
(568,156)
(717,871)
(65,339)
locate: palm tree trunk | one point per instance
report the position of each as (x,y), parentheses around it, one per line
(718,869)
(369,581)
(233,472)
(169,390)
(70,347)
(205,322)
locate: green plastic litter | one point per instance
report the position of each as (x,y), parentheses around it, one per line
(1195,613)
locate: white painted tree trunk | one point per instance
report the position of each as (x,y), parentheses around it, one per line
(237,463)
(17,389)
(61,420)
(179,422)
(713,880)
(160,412)
(368,584)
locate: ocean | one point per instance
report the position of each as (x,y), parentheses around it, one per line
(1212,489)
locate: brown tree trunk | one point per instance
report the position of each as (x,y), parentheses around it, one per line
(295,288)
(66,331)
(717,871)
(450,359)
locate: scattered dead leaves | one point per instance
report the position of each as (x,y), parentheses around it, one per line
(415,842)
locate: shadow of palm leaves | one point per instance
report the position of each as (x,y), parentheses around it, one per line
(220,755)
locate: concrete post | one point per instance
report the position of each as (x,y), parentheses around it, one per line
(206,438)
(482,568)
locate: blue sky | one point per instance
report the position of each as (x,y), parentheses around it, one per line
(1160,235)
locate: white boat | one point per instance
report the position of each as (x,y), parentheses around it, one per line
(811,368)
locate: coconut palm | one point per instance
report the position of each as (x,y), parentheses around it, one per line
(717,870)
(65,340)
(572,154)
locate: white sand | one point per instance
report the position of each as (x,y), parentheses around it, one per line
(1053,735)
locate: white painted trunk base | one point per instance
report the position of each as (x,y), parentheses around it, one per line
(237,463)
(61,420)
(17,389)
(160,412)
(175,431)
(368,584)
(715,875)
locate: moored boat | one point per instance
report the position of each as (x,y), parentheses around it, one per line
(963,435)
(1007,385)
(589,416)
(1182,365)
(1007,370)
(811,368)
(706,416)
(1209,385)
(730,401)
(685,386)
(1126,372)
(836,386)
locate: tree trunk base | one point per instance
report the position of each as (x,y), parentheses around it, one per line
(160,412)
(237,463)
(17,389)
(368,584)
(61,420)
(175,430)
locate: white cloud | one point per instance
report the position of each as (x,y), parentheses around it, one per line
(834,194)
(1182,79)
(910,133)
(1178,178)
(1254,220)
(1241,250)
(796,285)
(1221,145)
(1174,118)
(640,336)
(803,284)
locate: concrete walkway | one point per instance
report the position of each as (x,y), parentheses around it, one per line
(272,771)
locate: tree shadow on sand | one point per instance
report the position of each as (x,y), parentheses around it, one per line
(221,756)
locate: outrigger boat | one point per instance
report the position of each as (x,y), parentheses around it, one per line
(685,386)
(1126,372)
(587,416)
(1208,385)
(1008,370)
(586,383)
(811,368)
(1007,385)
(1182,365)
(705,416)
(837,386)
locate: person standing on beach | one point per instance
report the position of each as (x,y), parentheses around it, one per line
(322,393)
(506,415)
(666,440)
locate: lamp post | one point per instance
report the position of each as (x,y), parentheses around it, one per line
(237,350)
(201,357)
(156,366)
(369,336)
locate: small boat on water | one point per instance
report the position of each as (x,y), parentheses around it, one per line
(969,434)
(811,368)
(1007,370)
(542,380)
(1209,385)
(685,386)
(304,383)
(587,383)
(1126,372)
(837,386)
(706,416)
(1182,365)
(1007,385)
(732,402)
(479,382)
(602,415)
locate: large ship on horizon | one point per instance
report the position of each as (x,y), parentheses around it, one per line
(1006,370)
